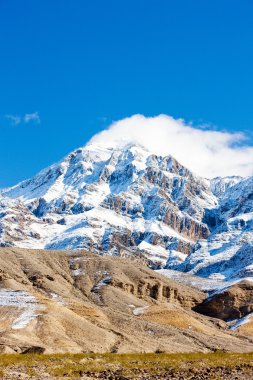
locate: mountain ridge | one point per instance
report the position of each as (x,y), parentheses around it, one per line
(120,199)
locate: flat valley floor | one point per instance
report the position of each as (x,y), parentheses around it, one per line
(195,366)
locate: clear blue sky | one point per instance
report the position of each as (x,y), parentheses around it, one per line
(83,63)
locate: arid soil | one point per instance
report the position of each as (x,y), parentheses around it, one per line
(65,301)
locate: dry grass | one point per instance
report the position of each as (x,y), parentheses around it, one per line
(76,365)
(179,318)
(247,328)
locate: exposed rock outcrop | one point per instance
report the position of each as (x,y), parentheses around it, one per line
(232,303)
(74,301)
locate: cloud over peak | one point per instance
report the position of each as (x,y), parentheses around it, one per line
(208,153)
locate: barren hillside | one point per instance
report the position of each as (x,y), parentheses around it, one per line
(73,301)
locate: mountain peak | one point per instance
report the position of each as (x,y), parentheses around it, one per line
(113,192)
(126,199)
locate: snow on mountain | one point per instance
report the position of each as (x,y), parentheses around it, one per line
(107,200)
(220,185)
(124,200)
(228,250)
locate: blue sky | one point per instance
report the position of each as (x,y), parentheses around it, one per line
(70,68)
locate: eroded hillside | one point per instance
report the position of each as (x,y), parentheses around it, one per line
(73,301)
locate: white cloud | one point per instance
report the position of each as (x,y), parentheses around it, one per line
(27,118)
(15,120)
(207,152)
(32,117)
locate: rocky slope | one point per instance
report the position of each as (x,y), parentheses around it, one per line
(228,250)
(74,301)
(231,303)
(106,200)
(125,200)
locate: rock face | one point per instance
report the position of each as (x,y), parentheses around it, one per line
(103,199)
(74,301)
(124,201)
(228,250)
(232,303)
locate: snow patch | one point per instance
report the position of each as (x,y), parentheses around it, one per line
(21,300)
(140,310)
(241,321)
(105,281)
(57,298)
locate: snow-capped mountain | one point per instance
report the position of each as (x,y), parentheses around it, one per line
(228,251)
(220,185)
(127,200)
